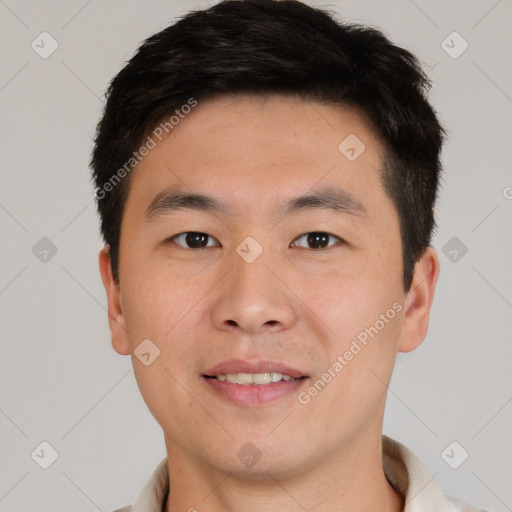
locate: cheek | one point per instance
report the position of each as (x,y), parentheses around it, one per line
(157,302)
(361,357)
(363,315)
(160,387)
(349,304)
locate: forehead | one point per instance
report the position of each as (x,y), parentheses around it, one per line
(255,150)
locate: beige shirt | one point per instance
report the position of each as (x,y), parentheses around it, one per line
(402,468)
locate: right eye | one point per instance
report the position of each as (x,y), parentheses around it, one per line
(192,240)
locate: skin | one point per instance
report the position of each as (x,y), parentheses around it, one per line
(295,304)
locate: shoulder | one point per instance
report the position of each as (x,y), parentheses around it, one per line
(462,506)
(411,479)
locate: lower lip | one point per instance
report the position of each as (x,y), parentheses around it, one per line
(254,394)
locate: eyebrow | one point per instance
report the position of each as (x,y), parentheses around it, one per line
(326,198)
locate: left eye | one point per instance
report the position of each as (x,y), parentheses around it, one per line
(193,240)
(317,239)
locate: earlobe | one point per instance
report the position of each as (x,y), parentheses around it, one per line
(419,301)
(116,322)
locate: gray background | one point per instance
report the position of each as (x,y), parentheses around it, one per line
(60,380)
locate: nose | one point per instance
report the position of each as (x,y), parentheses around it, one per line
(254,298)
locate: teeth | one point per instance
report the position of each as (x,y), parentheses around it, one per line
(275,377)
(253,378)
(241,378)
(259,378)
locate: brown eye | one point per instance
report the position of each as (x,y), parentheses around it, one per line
(193,240)
(316,240)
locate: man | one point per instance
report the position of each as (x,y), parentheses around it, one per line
(266,179)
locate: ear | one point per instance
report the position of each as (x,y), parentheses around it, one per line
(419,301)
(120,340)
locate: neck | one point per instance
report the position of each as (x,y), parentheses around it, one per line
(347,481)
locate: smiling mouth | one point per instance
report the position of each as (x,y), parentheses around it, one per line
(253,384)
(253,379)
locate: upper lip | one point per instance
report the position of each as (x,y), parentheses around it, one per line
(240,366)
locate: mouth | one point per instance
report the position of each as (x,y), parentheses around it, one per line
(252,379)
(251,384)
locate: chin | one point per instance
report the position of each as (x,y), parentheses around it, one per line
(254,460)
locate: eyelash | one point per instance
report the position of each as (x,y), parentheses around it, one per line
(173,238)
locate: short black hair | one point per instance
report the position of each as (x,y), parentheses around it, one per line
(281,47)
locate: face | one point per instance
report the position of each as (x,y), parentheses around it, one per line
(288,268)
